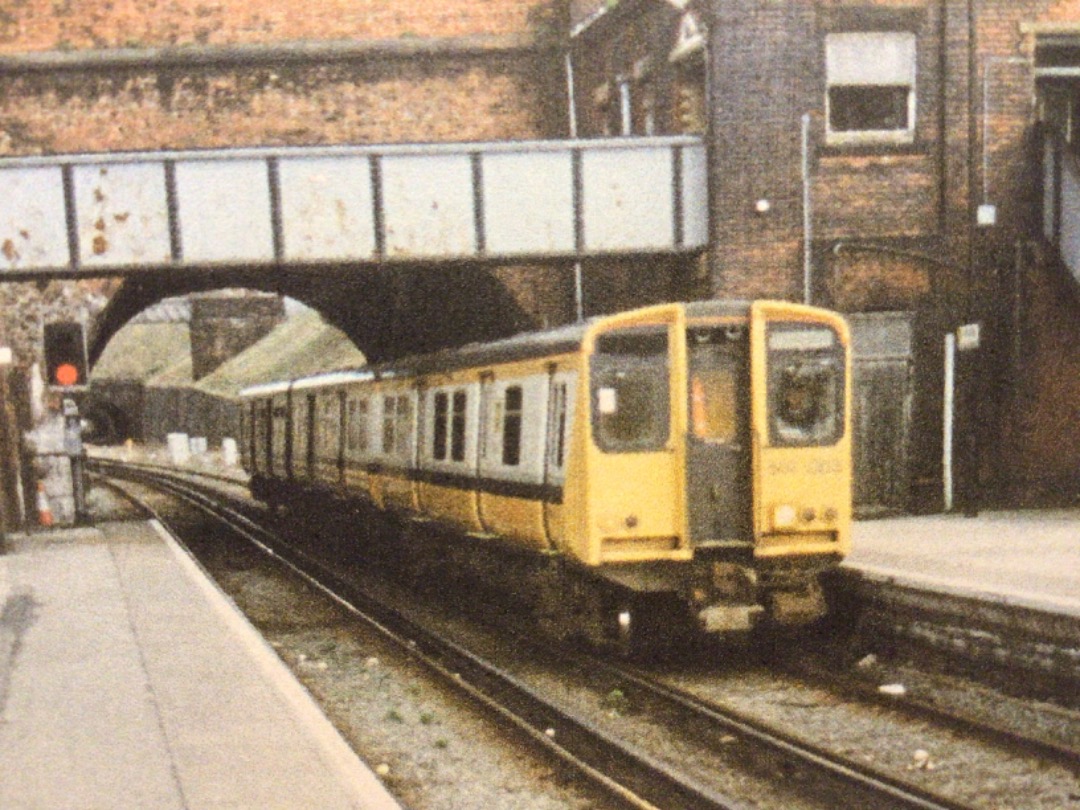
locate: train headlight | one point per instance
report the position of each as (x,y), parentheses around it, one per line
(784,516)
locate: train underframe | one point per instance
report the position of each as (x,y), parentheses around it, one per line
(631,609)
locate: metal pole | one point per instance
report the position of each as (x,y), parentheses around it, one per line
(579,293)
(947,421)
(571,97)
(807,219)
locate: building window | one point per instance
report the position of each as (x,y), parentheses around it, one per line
(870,88)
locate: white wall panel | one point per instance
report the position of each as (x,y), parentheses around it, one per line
(326,208)
(224,211)
(428,205)
(529,202)
(123,215)
(33,228)
(628,195)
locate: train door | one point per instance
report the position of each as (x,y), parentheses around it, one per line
(719,501)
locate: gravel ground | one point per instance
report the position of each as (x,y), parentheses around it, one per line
(436,751)
(428,746)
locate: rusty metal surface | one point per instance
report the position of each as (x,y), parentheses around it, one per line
(85,214)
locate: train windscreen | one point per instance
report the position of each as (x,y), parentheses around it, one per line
(805,385)
(630,391)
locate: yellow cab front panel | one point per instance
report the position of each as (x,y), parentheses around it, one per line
(801,431)
(634,456)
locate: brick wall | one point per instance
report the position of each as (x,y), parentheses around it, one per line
(392,100)
(43,25)
(180,74)
(223,325)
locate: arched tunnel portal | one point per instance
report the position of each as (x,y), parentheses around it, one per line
(386,312)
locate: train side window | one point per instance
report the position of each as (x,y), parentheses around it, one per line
(512,415)
(440,433)
(403,429)
(389,416)
(630,391)
(357,431)
(457,427)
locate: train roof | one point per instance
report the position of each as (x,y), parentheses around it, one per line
(524,346)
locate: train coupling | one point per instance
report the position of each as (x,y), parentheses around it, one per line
(724,598)
(730,618)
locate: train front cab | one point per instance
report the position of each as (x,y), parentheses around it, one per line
(706,476)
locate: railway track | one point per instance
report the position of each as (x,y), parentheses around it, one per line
(631,775)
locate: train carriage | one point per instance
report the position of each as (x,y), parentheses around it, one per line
(678,462)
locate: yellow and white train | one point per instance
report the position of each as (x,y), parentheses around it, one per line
(677,467)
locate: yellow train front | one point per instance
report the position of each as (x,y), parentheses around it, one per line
(669,469)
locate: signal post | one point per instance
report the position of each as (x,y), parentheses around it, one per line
(57,438)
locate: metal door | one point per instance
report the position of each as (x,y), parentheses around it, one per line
(881,410)
(718,438)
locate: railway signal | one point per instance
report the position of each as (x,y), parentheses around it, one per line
(65,354)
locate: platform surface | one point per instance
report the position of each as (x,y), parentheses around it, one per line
(127,680)
(1029,558)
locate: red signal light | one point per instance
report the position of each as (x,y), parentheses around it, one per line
(66,374)
(65,354)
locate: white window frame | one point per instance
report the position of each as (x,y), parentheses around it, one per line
(869,59)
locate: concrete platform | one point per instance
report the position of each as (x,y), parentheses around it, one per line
(127,680)
(1026,558)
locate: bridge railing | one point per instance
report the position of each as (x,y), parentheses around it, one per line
(504,201)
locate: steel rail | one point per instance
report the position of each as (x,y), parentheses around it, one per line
(621,770)
(849,774)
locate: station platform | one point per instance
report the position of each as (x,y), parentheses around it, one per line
(1027,558)
(128,680)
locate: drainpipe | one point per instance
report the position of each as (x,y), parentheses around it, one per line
(808,224)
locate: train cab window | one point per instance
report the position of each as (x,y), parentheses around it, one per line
(630,391)
(717,357)
(806,386)
(512,413)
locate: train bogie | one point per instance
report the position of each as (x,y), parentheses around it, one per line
(684,461)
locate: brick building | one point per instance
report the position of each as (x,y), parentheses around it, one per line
(880,157)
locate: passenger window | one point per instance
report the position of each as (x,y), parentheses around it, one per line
(389,416)
(512,413)
(404,426)
(457,427)
(439,431)
(357,432)
(630,391)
